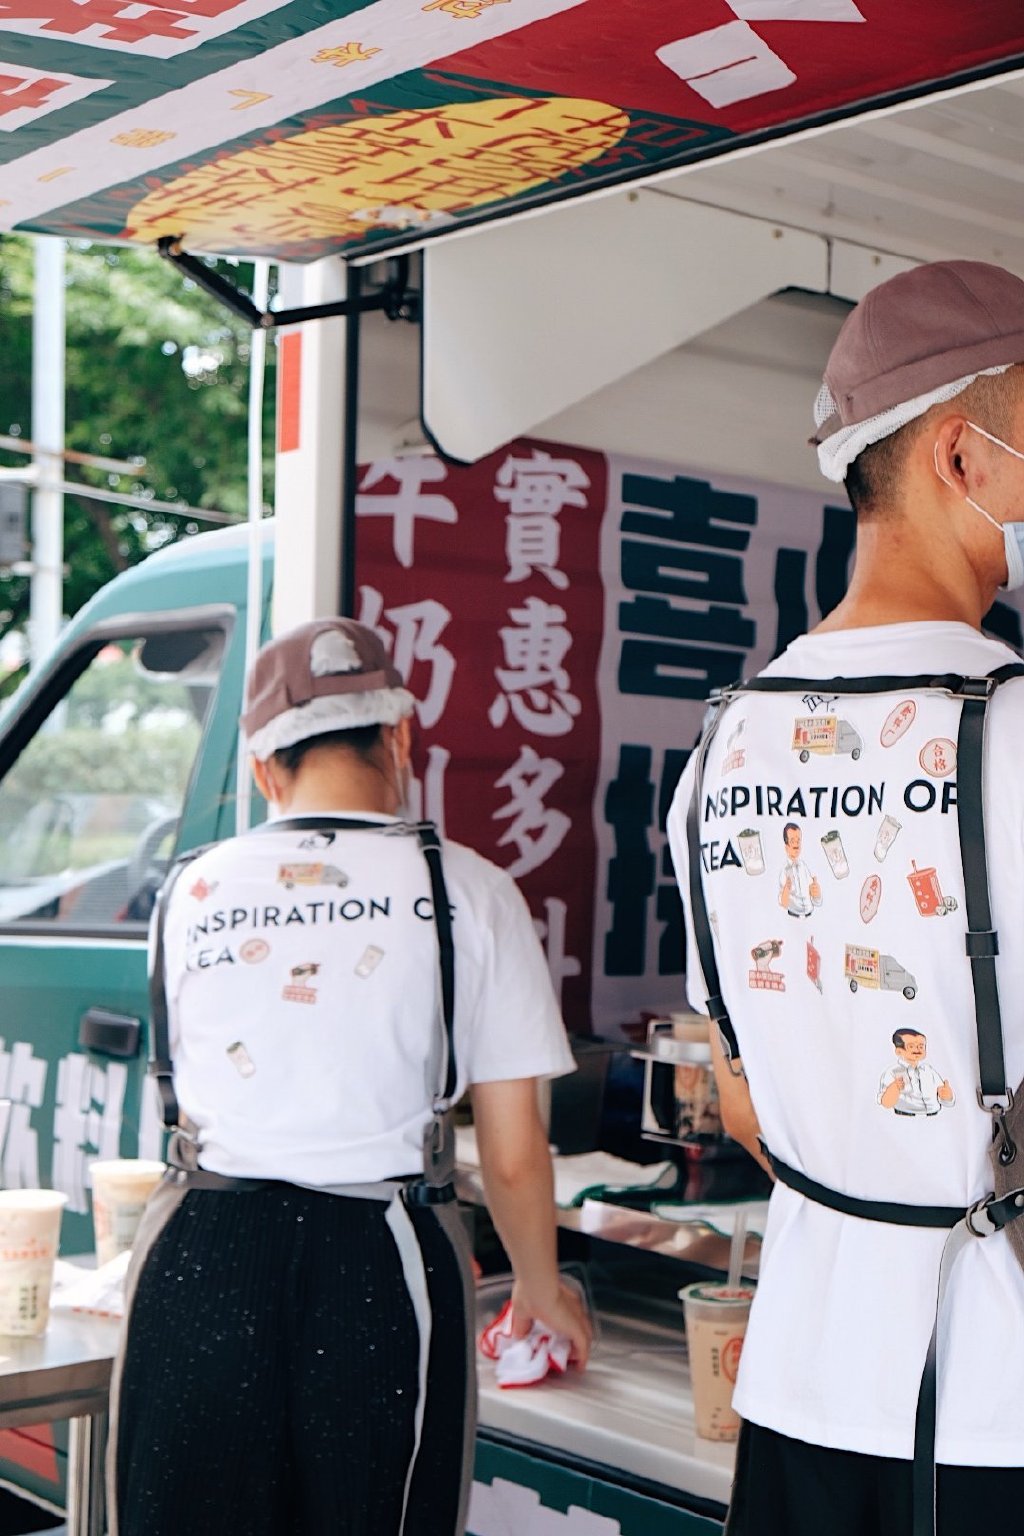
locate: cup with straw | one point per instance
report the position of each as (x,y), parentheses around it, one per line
(716,1322)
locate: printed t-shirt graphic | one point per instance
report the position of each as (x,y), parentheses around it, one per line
(882,953)
(308,973)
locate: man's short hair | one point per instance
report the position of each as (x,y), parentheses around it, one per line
(899,1037)
(874,479)
(791,826)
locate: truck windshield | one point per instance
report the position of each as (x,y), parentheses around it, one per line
(89,811)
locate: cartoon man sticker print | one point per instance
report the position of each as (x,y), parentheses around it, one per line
(799,890)
(912,1086)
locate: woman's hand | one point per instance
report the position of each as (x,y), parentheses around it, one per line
(562,1311)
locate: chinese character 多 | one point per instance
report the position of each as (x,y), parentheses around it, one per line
(534,829)
(534,684)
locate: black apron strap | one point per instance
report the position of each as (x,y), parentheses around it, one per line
(698,902)
(161,1067)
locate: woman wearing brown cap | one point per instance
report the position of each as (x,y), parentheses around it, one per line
(298,1352)
(921,415)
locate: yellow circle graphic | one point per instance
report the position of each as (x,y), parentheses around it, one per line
(409,171)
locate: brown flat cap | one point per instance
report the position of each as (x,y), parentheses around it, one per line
(919,331)
(328,675)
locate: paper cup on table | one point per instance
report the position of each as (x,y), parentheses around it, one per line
(120,1190)
(716,1324)
(29,1234)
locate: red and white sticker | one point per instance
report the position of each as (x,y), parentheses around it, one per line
(254,950)
(870,897)
(898,723)
(938,757)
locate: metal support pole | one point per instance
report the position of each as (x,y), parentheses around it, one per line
(254,584)
(87,1444)
(46,602)
(349,463)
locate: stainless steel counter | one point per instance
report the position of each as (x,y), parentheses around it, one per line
(65,1374)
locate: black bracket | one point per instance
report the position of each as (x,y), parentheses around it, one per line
(397,300)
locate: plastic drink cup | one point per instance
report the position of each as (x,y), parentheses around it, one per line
(832,847)
(751,851)
(120,1189)
(29,1233)
(716,1324)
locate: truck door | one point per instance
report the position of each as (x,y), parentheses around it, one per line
(111,765)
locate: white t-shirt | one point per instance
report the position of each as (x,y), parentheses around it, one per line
(303,994)
(861,794)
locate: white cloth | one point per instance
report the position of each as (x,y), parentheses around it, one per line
(302,984)
(845,1307)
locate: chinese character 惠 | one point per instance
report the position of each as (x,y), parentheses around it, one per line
(535,829)
(534,684)
(409,502)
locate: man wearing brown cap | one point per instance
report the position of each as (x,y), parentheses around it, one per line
(921,416)
(298,1355)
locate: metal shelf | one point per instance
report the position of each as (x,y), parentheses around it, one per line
(692,1241)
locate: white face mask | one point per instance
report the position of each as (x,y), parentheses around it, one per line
(403,779)
(1012,532)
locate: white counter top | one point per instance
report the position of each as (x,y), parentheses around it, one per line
(630,1410)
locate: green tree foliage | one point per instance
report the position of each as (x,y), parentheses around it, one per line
(156,375)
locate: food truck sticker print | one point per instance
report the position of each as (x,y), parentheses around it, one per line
(913,1086)
(928,894)
(870,898)
(814,965)
(879,973)
(938,757)
(291,875)
(762,978)
(898,723)
(825,737)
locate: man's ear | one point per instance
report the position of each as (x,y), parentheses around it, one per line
(263,778)
(954,454)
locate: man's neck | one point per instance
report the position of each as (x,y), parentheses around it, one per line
(888,587)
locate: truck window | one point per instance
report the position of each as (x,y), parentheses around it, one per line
(89,811)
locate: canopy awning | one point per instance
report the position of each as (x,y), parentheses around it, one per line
(283,128)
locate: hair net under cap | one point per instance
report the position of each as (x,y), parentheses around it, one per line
(328,675)
(920,330)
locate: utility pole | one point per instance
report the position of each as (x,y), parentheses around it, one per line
(46,601)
